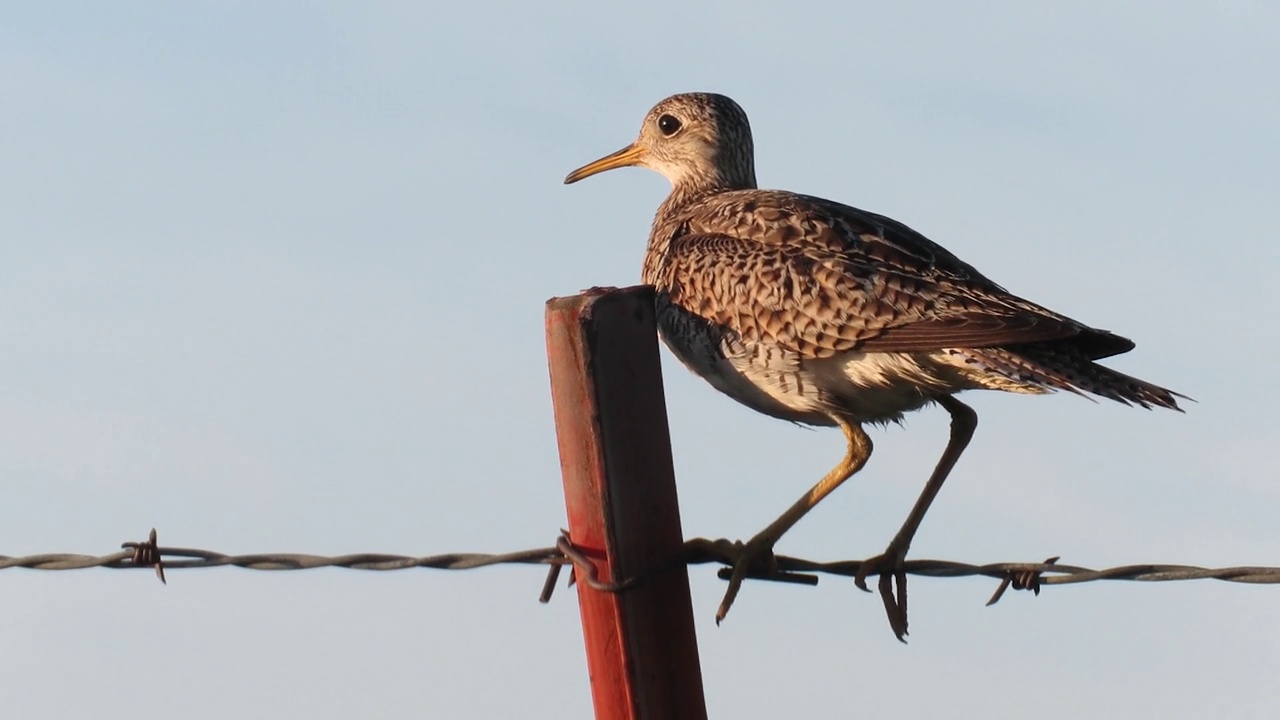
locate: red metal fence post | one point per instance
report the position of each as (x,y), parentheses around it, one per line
(619,486)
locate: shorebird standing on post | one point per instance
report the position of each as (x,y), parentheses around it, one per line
(819,313)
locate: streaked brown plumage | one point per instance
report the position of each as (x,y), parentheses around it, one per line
(820,313)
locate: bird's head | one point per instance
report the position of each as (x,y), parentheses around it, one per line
(695,140)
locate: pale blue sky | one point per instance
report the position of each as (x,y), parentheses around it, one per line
(273,279)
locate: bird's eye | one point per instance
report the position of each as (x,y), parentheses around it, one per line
(669,125)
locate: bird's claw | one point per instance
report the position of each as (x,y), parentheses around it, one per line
(889,566)
(753,557)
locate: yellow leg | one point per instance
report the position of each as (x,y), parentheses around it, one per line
(889,564)
(759,549)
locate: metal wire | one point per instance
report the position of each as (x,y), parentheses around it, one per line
(1020,576)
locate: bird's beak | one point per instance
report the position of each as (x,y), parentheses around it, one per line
(627,156)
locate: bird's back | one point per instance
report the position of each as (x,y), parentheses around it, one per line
(801,307)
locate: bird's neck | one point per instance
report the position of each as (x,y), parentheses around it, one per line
(690,191)
(685,194)
(674,212)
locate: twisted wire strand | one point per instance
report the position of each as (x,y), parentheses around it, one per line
(1019,575)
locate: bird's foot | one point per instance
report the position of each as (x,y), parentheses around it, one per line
(754,557)
(889,566)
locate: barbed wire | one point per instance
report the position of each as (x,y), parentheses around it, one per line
(1020,576)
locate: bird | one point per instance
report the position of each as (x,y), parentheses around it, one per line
(822,314)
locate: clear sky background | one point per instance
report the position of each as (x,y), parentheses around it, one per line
(272,279)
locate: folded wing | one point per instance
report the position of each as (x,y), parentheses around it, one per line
(820,278)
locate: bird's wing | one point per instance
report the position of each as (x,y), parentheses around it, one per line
(819,278)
